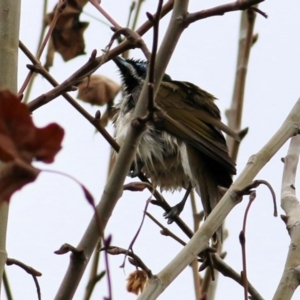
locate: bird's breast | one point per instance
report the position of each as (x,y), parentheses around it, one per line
(159,153)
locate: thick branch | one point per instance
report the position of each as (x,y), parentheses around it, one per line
(9,36)
(291,275)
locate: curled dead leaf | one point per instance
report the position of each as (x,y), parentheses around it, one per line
(97,90)
(137,281)
(67,36)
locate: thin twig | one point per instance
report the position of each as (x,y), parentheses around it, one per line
(131,9)
(34,273)
(243,244)
(137,13)
(165,231)
(6,285)
(221,10)
(105,14)
(42,33)
(195,265)
(137,233)
(58,11)
(113,250)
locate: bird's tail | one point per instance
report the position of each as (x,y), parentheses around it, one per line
(206,185)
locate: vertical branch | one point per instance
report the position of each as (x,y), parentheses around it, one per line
(42,33)
(195,265)
(137,14)
(9,41)
(234,114)
(290,204)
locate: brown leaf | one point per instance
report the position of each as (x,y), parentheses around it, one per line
(20,143)
(67,36)
(136,281)
(13,176)
(97,90)
(20,139)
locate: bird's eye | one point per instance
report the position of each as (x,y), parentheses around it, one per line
(141,68)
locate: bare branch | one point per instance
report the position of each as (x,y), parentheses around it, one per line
(221,10)
(290,204)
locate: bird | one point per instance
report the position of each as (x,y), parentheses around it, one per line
(183,145)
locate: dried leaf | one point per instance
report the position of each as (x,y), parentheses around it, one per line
(136,281)
(20,139)
(97,90)
(67,36)
(20,143)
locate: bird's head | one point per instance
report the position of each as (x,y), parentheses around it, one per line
(133,72)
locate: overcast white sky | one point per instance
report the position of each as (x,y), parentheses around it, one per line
(53,211)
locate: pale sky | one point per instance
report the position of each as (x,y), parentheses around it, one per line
(53,211)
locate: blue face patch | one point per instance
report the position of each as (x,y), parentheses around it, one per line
(141,68)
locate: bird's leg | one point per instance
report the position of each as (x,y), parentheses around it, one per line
(178,208)
(136,168)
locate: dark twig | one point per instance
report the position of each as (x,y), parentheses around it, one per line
(28,269)
(242,238)
(38,289)
(256,9)
(136,260)
(34,273)
(65,248)
(134,38)
(106,243)
(165,231)
(247,190)
(137,233)
(137,186)
(221,10)
(195,266)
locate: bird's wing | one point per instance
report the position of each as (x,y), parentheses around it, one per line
(192,122)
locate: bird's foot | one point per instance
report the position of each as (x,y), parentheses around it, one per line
(133,173)
(135,170)
(174,211)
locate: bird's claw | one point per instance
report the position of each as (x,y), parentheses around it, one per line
(173,212)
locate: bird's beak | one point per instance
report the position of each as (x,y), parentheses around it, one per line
(122,64)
